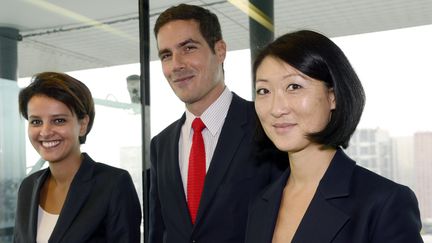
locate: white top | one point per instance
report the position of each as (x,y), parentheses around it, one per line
(213,118)
(45,226)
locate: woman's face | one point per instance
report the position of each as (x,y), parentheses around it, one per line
(290,104)
(54,129)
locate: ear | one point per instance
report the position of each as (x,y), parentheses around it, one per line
(84,123)
(220,50)
(332,99)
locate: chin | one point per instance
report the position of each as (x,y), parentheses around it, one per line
(51,157)
(283,148)
(289,148)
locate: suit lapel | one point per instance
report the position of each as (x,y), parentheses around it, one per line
(322,217)
(174,175)
(321,222)
(34,204)
(269,208)
(229,140)
(79,190)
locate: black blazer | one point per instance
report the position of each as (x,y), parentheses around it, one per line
(101,206)
(351,205)
(233,179)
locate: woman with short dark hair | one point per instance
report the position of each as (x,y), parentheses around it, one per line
(309,101)
(75,199)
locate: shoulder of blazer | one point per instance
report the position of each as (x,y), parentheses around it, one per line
(375,185)
(239,102)
(35,177)
(344,176)
(171,130)
(89,168)
(241,111)
(36,174)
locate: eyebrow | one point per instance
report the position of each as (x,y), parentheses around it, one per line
(283,78)
(188,41)
(53,116)
(181,44)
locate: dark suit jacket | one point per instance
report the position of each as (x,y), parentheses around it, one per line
(233,178)
(351,205)
(101,206)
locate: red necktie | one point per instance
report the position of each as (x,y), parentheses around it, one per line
(197,169)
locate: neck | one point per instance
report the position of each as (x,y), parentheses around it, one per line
(197,108)
(309,165)
(62,173)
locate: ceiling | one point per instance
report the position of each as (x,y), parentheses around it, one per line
(65,35)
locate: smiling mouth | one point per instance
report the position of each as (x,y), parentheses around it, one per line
(282,128)
(50,144)
(182,79)
(283,125)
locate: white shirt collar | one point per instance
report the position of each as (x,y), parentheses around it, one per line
(214,116)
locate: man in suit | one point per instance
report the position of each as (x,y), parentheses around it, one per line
(192,52)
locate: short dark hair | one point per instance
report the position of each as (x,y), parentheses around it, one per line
(64,88)
(320,58)
(208,22)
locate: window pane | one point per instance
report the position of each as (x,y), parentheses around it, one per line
(394,137)
(12,156)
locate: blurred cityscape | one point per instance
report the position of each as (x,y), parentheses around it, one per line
(406,160)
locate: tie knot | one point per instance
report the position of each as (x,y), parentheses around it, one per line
(198,125)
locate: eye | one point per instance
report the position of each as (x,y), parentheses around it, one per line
(35,122)
(164,56)
(262,91)
(59,121)
(294,86)
(189,48)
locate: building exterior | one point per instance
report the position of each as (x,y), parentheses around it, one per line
(406,160)
(403,154)
(423,170)
(373,149)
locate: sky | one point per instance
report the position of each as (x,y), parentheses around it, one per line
(395,70)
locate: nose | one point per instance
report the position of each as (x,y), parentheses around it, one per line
(46,130)
(279,105)
(177,62)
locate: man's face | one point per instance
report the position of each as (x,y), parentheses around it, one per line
(192,69)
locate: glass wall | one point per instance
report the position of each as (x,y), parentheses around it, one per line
(12,155)
(394,137)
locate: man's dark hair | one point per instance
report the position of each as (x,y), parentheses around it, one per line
(208,22)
